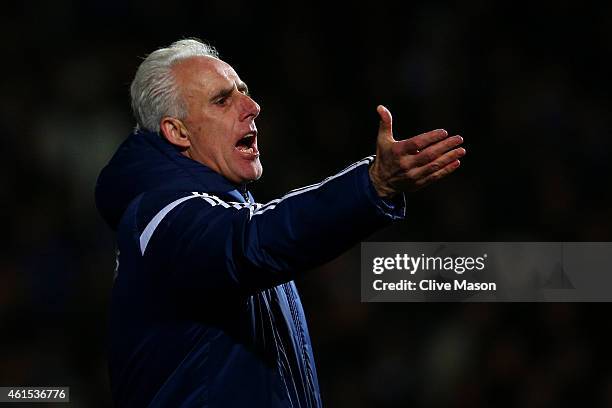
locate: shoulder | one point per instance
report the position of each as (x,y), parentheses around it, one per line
(181,213)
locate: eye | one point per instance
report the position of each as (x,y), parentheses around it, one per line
(221,101)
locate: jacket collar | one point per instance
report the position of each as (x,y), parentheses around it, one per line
(147,162)
(202,175)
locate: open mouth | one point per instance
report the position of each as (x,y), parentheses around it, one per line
(247,144)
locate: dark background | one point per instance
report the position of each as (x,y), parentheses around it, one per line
(528,87)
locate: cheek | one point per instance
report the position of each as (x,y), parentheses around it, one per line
(213,139)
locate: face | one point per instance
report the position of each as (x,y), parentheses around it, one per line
(220,126)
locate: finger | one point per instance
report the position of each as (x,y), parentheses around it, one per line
(420,142)
(436,150)
(385,128)
(438,164)
(448,169)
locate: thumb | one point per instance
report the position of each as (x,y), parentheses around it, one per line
(385,131)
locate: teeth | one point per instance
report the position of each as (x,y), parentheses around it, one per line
(246,149)
(248,135)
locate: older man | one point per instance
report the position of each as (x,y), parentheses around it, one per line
(204,310)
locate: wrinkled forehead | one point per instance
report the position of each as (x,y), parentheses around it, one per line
(204,73)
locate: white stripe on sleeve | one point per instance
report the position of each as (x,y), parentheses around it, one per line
(272,204)
(254,208)
(146,235)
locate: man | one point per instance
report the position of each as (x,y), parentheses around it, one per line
(204,311)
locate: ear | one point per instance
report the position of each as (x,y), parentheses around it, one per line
(174,131)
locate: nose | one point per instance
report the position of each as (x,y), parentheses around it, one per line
(249,108)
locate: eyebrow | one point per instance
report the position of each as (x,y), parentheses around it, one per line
(224,93)
(242,87)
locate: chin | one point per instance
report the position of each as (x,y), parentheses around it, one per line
(252,173)
(257,173)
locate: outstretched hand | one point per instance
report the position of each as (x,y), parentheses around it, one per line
(408,165)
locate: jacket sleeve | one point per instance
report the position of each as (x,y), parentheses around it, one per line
(199,241)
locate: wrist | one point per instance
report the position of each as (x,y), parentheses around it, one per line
(381,188)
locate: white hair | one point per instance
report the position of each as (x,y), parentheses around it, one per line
(154,91)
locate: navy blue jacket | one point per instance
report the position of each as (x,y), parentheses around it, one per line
(204,311)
